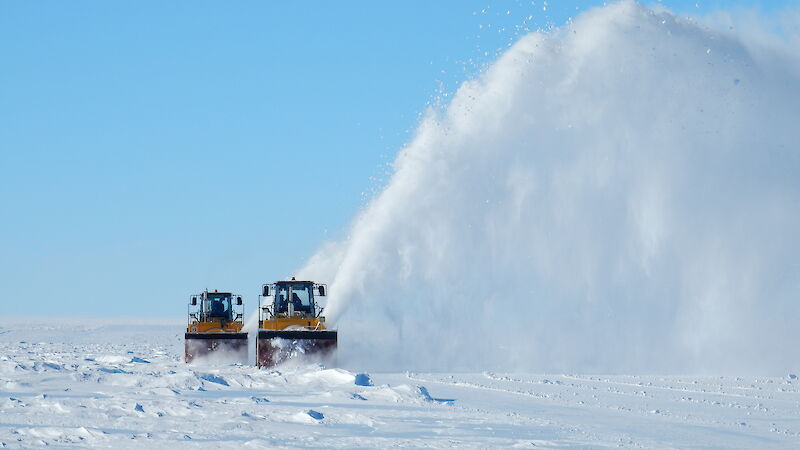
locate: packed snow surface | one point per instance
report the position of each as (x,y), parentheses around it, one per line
(89,383)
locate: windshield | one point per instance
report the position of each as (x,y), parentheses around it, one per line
(219,305)
(299,294)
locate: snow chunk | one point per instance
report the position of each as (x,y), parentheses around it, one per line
(427,396)
(363,379)
(316,415)
(309,416)
(213,379)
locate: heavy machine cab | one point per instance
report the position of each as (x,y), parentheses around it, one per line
(295,299)
(215,306)
(215,311)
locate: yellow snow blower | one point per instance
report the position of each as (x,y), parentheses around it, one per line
(290,323)
(215,327)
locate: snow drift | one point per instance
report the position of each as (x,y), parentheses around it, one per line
(108,385)
(620,194)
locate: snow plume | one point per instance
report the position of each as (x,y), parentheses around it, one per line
(621,194)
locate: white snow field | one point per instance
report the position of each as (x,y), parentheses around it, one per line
(113,384)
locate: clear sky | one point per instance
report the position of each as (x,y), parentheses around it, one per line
(150,150)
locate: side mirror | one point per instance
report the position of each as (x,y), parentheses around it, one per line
(321,291)
(265,292)
(194,301)
(238,301)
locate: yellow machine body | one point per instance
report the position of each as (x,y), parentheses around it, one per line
(214,326)
(282,323)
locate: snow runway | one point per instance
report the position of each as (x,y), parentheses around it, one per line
(111,384)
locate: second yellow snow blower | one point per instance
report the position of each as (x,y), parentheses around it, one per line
(215,327)
(290,323)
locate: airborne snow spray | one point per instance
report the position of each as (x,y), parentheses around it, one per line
(619,194)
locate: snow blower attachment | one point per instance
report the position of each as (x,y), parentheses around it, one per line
(215,327)
(290,324)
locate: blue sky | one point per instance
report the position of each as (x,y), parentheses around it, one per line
(152,149)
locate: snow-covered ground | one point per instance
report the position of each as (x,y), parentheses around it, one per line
(93,383)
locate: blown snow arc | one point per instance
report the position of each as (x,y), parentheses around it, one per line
(291,325)
(215,327)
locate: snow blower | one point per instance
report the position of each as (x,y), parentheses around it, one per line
(290,323)
(215,327)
